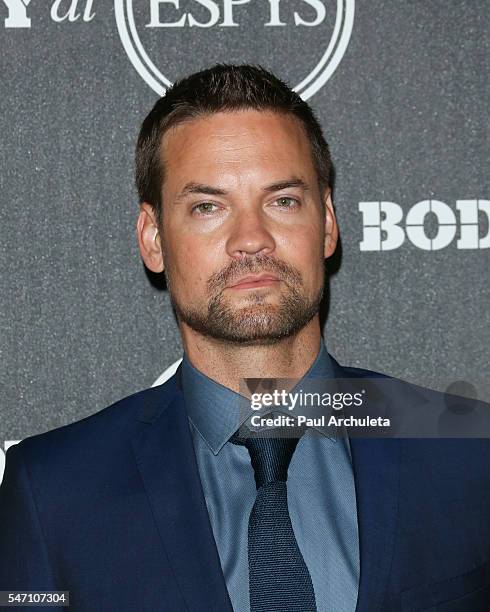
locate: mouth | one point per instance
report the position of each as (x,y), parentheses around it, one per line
(255,281)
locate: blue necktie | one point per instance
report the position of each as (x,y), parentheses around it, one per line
(278,576)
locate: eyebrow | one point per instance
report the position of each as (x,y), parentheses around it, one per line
(287,184)
(210,190)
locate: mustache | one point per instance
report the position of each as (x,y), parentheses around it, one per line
(253,265)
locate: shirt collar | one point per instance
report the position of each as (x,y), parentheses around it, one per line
(216,411)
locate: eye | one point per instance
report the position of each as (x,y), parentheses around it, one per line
(287,202)
(204,208)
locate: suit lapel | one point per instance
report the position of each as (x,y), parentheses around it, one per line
(376,474)
(165,455)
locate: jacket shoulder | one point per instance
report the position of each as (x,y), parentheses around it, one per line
(93,435)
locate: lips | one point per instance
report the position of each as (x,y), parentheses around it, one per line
(257,278)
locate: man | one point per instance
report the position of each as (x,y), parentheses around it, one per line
(163,501)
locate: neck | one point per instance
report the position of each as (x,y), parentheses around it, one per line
(227,363)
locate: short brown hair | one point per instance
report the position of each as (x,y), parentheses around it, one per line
(222,87)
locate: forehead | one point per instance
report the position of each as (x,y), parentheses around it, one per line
(236,146)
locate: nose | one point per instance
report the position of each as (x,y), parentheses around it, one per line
(250,235)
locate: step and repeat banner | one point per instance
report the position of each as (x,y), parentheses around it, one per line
(402,91)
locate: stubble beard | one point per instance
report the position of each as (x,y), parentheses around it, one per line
(258,321)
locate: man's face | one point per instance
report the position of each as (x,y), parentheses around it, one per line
(241,198)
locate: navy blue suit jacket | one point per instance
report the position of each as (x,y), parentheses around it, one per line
(111,509)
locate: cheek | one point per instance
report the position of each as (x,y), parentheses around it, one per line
(306,247)
(308,258)
(193,266)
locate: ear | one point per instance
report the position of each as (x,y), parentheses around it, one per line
(149,239)
(331,228)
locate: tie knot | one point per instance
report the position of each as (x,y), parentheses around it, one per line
(270,457)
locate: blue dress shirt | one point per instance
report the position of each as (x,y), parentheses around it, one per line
(321,493)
